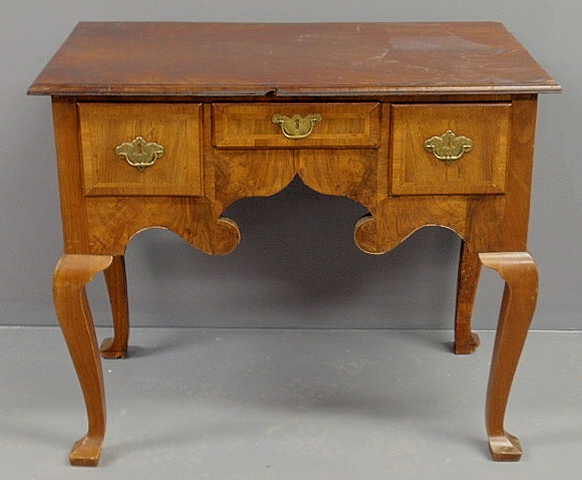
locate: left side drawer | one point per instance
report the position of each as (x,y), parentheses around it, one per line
(141,149)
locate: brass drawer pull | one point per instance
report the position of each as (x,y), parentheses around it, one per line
(449,146)
(140,153)
(297,127)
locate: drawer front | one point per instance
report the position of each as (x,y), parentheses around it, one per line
(141,149)
(449,148)
(296,125)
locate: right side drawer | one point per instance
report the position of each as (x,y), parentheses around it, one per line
(449,149)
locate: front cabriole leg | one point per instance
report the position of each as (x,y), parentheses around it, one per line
(519,271)
(72,273)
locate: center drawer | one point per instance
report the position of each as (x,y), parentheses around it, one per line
(295,125)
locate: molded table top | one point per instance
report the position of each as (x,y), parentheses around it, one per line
(300,59)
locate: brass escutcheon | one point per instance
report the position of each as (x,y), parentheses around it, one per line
(140,153)
(449,146)
(297,127)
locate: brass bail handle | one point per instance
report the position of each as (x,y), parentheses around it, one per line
(449,146)
(140,153)
(297,126)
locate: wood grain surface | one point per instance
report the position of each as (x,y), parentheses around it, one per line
(291,59)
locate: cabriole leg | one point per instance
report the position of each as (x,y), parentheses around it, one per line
(72,273)
(116,281)
(469,271)
(519,271)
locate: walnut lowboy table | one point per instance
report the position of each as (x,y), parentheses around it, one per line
(167,124)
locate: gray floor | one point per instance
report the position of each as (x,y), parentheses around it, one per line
(291,405)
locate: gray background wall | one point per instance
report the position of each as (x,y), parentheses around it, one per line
(297,265)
